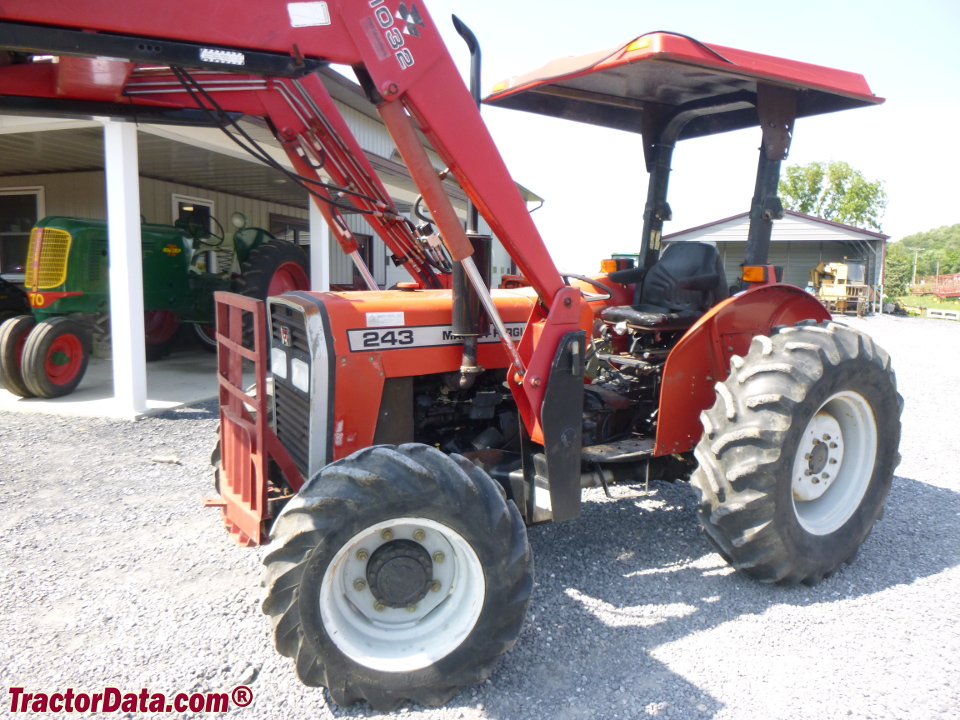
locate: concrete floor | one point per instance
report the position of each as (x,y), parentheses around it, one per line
(186,377)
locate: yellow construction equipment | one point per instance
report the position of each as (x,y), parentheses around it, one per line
(840,286)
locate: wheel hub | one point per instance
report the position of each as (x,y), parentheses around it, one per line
(834,462)
(420,556)
(819,457)
(399,573)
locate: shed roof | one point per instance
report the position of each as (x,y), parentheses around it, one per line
(795,227)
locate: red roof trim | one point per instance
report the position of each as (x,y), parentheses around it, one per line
(871,233)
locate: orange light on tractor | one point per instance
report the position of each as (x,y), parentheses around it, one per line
(608,266)
(755,273)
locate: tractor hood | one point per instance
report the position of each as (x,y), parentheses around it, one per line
(658,74)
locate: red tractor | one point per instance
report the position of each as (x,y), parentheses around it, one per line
(412,435)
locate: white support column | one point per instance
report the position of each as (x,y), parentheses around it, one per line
(126,268)
(319,250)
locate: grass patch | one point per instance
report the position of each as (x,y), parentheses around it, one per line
(930,301)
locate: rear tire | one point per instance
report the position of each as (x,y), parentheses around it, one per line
(160,333)
(798,453)
(372,626)
(13,337)
(55,357)
(273,268)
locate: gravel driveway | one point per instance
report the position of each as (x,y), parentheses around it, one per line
(113,575)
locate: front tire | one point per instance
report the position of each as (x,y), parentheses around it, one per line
(206,336)
(798,452)
(13,337)
(400,573)
(55,357)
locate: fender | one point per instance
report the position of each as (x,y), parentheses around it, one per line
(701,358)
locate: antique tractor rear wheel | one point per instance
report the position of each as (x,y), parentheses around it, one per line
(274,268)
(798,453)
(55,357)
(13,336)
(400,573)
(159,332)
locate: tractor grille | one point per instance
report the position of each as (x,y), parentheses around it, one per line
(47,258)
(284,316)
(291,406)
(292,415)
(98,248)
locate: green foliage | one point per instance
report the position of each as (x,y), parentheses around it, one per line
(899,269)
(834,191)
(937,248)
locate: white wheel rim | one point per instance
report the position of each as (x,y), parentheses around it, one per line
(834,463)
(398,639)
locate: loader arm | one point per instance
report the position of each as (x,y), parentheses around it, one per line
(263,55)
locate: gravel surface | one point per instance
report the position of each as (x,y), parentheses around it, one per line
(114,575)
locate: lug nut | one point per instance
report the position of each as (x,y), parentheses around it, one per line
(379,606)
(826,437)
(833,445)
(419,535)
(438,557)
(833,461)
(807,456)
(411,608)
(362,555)
(816,481)
(386,534)
(359,585)
(825,476)
(435,586)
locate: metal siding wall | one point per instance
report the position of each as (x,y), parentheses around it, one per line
(83,195)
(371,135)
(804,257)
(732,254)
(71,194)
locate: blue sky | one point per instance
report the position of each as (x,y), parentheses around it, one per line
(594,180)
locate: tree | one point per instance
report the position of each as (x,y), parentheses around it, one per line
(834,191)
(937,249)
(899,270)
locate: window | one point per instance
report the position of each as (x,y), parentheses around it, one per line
(196,211)
(20,209)
(291,229)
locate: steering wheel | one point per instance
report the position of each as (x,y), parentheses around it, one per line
(606,293)
(197,230)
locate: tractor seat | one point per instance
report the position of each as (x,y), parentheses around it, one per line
(687,280)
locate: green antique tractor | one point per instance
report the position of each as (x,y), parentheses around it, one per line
(45,354)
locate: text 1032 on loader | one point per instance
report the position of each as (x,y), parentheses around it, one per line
(412,435)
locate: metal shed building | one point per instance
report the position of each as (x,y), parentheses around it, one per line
(799,243)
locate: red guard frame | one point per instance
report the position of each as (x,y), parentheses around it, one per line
(247,443)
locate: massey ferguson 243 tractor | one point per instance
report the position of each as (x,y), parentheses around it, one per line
(412,436)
